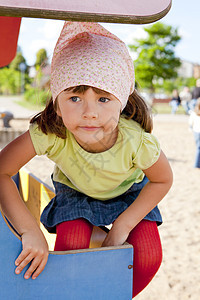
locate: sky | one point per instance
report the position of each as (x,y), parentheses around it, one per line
(184,15)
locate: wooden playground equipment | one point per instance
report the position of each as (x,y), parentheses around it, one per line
(118,11)
(95,273)
(126,11)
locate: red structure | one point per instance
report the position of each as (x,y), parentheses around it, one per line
(9,31)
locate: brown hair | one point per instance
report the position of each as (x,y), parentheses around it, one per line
(136,109)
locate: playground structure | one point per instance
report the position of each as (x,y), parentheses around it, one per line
(118,11)
(95,273)
(127,11)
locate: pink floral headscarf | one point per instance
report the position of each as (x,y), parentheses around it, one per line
(87,54)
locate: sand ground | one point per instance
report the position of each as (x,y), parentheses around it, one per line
(179,275)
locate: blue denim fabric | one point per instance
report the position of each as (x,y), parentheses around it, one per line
(193,104)
(174,104)
(69,204)
(197,157)
(186,107)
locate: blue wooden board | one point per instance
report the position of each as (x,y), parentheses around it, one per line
(94,274)
(16,179)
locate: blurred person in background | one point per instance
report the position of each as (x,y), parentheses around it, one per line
(175,102)
(195,95)
(194,122)
(6,116)
(186,98)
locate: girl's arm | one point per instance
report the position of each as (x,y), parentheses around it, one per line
(35,248)
(160,180)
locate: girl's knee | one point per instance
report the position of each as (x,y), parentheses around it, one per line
(73,235)
(147,262)
(147,254)
(145,267)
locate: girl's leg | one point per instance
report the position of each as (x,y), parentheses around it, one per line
(73,235)
(147,254)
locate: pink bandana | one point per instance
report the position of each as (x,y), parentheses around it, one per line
(87,54)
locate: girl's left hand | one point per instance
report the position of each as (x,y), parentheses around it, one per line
(116,236)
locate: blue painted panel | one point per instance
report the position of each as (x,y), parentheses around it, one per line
(16,179)
(98,275)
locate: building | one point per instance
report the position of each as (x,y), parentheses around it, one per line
(189,69)
(186,69)
(196,73)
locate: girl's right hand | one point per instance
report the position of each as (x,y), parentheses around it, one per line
(35,250)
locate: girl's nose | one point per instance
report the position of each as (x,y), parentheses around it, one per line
(90,112)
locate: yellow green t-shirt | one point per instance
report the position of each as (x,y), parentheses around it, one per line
(102,175)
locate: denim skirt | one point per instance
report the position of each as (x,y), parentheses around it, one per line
(69,204)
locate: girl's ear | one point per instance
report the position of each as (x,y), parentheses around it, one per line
(58,111)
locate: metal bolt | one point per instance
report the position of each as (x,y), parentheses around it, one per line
(130,267)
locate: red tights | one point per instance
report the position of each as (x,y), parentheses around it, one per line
(144,237)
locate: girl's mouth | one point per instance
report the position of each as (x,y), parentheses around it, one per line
(89,128)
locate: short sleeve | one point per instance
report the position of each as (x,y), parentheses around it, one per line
(148,152)
(43,143)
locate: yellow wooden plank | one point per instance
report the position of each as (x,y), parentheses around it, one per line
(37,195)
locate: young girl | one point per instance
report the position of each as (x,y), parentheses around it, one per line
(175,102)
(109,168)
(194,122)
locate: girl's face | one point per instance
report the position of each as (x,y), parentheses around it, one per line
(91,117)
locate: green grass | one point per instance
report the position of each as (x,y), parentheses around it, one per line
(165,108)
(29,105)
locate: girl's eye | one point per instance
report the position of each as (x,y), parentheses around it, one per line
(104,100)
(75,99)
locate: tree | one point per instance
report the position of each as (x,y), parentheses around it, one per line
(15,64)
(41,58)
(178,83)
(156,58)
(10,81)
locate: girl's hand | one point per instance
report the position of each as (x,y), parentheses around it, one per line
(116,236)
(35,250)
